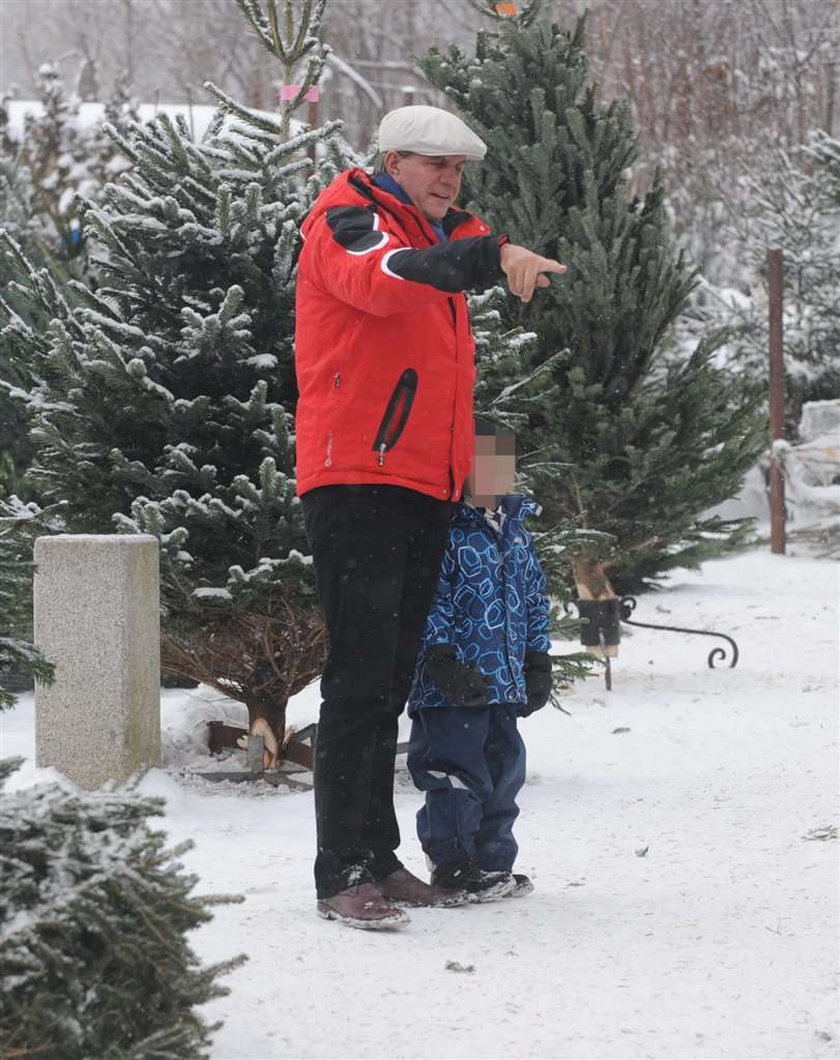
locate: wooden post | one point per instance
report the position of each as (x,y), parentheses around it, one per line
(408,95)
(777,401)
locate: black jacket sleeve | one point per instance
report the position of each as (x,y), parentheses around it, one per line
(469,264)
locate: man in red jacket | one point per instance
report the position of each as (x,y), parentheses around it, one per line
(384,436)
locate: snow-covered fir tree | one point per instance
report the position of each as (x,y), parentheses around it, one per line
(62,155)
(793,204)
(7,144)
(94,918)
(104,159)
(58,158)
(648,443)
(19,526)
(66,158)
(164,390)
(17,217)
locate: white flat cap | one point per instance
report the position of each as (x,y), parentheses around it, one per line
(429,131)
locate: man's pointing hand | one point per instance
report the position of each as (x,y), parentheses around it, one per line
(525,270)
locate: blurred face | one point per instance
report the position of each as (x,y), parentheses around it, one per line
(494,469)
(431,182)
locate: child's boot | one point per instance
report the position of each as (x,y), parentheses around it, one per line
(481,886)
(522,886)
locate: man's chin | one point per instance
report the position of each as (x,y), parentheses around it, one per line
(436,211)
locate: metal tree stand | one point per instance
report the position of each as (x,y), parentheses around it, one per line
(298,756)
(603,631)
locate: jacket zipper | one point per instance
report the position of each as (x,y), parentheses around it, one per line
(336,382)
(396,415)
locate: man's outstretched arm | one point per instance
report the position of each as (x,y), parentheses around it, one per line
(369,269)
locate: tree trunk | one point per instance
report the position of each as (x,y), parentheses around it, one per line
(593,584)
(267,718)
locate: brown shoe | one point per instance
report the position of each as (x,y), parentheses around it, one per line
(363,907)
(403,888)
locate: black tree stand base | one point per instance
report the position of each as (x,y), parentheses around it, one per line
(603,631)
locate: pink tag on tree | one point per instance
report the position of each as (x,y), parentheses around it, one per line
(289,92)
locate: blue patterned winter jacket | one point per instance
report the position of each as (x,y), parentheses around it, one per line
(490,603)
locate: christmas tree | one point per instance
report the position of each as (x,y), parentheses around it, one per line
(794,206)
(16,216)
(648,441)
(94,914)
(164,387)
(19,662)
(58,159)
(66,157)
(20,524)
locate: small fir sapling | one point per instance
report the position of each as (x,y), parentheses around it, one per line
(94,917)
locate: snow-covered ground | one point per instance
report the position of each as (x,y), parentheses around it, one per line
(680,908)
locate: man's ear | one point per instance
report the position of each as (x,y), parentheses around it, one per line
(392,161)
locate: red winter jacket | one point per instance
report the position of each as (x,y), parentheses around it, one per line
(383,347)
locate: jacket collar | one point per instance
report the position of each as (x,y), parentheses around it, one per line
(364,185)
(516,507)
(387,183)
(356,187)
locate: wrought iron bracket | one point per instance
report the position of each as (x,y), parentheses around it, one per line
(627,606)
(603,631)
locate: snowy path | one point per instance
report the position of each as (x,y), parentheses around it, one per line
(721,942)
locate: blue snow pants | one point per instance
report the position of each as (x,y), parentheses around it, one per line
(470,761)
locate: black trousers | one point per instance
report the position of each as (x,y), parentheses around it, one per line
(377,553)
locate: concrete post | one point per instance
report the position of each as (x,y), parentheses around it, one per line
(97,619)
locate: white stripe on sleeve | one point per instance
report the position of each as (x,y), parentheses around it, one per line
(383,264)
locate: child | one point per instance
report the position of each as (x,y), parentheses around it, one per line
(484,663)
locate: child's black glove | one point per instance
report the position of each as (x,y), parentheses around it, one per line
(462,685)
(537,682)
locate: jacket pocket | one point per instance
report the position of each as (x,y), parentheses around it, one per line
(396,415)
